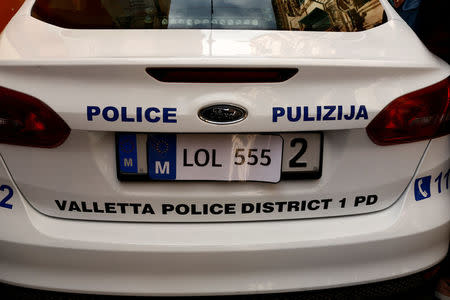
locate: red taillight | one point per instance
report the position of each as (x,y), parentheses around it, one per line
(27,121)
(416,116)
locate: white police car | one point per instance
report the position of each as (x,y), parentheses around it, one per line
(162,147)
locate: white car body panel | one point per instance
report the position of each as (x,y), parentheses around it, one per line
(226,258)
(97,181)
(69,70)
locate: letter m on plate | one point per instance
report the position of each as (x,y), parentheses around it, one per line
(162,168)
(128,162)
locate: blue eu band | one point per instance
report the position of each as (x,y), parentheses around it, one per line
(128,153)
(162,152)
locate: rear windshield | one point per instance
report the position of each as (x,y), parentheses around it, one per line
(294,15)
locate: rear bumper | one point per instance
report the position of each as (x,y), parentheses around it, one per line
(417,286)
(234,258)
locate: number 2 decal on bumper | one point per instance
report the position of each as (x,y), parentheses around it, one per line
(9,193)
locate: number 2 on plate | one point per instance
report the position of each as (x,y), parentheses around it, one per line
(294,163)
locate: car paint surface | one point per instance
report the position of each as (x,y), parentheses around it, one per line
(76,71)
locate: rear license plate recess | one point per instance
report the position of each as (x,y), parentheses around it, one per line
(219,157)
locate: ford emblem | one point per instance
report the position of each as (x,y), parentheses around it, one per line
(222,114)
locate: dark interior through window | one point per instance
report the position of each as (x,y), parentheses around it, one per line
(300,15)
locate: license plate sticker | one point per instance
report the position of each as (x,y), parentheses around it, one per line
(302,155)
(215,157)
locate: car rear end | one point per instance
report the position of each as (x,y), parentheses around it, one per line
(146,154)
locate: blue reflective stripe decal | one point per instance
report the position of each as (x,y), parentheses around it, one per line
(128,153)
(162,151)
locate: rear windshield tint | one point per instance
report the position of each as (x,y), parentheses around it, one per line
(294,15)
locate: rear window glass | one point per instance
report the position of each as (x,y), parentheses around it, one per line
(294,15)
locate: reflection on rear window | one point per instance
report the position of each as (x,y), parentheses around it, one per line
(295,15)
